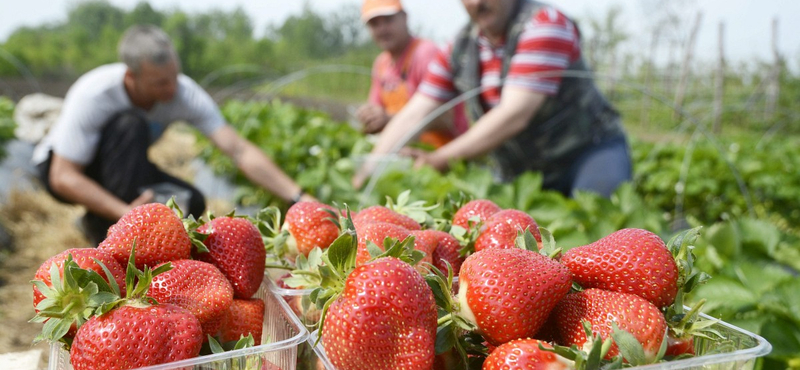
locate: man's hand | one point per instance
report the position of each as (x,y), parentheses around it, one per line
(422,158)
(143,198)
(372,117)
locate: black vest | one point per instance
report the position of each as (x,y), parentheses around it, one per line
(577,116)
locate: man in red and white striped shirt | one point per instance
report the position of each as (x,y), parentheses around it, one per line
(535,106)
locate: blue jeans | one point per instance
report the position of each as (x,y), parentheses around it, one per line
(601,168)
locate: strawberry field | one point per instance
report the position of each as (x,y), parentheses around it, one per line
(729,176)
(734,188)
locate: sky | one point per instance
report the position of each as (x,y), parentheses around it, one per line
(748,23)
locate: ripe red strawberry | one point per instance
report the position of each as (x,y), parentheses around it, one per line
(310,225)
(134,331)
(243,317)
(509,293)
(376,232)
(480,208)
(384,214)
(632,261)
(68,298)
(426,242)
(500,230)
(447,249)
(84,257)
(600,308)
(198,287)
(132,337)
(158,232)
(679,346)
(236,248)
(385,318)
(522,354)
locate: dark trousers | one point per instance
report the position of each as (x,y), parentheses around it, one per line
(121,166)
(601,168)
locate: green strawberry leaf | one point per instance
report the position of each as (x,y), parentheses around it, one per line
(446,338)
(525,240)
(214,344)
(629,346)
(548,242)
(342,252)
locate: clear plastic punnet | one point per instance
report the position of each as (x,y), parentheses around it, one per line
(738,350)
(283,333)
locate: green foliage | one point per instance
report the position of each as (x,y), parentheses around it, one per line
(323,154)
(738,177)
(204,41)
(7,124)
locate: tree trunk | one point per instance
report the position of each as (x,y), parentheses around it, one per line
(680,93)
(719,82)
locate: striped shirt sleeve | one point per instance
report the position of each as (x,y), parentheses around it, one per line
(438,82)
(547,46)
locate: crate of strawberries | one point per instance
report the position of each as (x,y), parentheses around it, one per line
(163,292)
(488,288)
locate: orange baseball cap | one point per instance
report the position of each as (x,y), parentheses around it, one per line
(376,8)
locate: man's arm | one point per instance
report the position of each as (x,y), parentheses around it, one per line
(399,127)
(68,180)
(255,164)
(517,107)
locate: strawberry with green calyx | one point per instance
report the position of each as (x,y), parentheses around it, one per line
(158,231)
(136,331)
(473,213)
(371,237)
(384,318)
(605,312)
(634,261)
(380,315)
(534,283)
(197,286)
(69,287)
(482,308)
(310,225)
(521,354)
(684,327)
(235,247)
(416,210)
(501,229)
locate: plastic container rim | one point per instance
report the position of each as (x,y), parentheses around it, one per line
(762,348)
(295,340)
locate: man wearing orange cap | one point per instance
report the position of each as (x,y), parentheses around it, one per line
(397,72)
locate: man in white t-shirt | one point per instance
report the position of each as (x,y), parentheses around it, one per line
(96,153)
